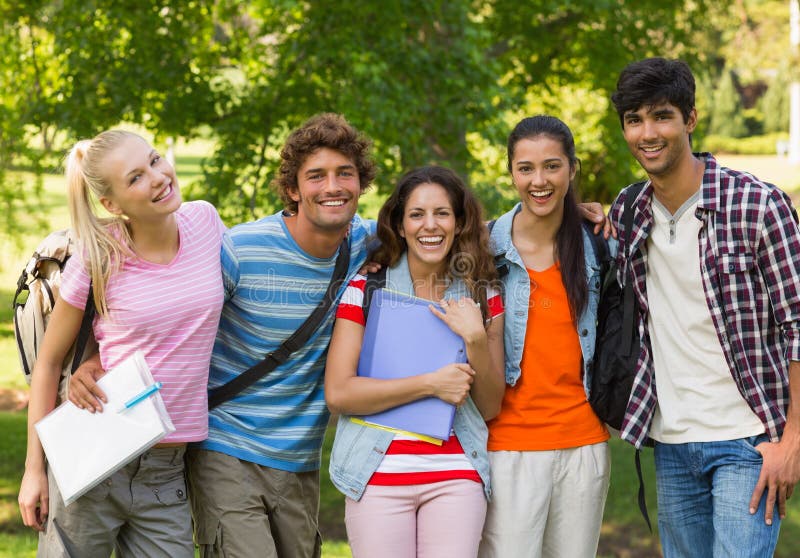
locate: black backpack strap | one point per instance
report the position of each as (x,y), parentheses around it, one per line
(500,259)
(296,340)
(627,214)
(84,331)
(628,295)
(628,321)
(641,498)
(374,282)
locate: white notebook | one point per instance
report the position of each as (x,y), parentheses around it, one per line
(83,448)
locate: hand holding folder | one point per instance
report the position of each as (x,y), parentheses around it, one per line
(404,338)
(107,441)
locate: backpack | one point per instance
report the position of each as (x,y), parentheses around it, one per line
(34,299)
(617,345)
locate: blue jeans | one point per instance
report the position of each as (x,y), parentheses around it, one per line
(704,491)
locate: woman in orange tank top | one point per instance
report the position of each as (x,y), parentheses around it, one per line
(548,450)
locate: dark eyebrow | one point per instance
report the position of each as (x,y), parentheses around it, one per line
(550,160)
(435,208)
(664,112)
(340,167)
(138,169)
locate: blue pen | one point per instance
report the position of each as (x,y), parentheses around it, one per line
(141,396)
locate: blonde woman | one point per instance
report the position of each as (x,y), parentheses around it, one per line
(155,271)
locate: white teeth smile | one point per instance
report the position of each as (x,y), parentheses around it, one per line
(431,240)
(167,191)
(541,193)
(333,203)
(651,149)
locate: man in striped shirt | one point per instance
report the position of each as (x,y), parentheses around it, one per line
(255,480)
(713,257)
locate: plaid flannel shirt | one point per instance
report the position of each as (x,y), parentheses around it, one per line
(750,266)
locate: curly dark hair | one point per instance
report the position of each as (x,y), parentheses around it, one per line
(323,130)
(469,259)
(652,81)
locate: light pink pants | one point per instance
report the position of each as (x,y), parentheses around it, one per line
(436,520)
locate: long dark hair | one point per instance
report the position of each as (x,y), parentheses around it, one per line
(569,237)
(469,258)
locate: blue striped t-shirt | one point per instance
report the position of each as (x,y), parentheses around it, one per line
(271,287)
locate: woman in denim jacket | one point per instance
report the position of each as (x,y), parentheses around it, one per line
(406,496)
(547,449)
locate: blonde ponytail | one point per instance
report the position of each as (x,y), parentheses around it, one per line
(103,242)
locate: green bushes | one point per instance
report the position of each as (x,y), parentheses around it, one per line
(754,145)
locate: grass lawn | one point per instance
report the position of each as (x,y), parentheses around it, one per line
(624,533)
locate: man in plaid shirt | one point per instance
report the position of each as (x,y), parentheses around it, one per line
(715,259)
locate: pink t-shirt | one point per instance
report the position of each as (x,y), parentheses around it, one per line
(168,311)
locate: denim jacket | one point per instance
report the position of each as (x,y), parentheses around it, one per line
(358,450)
(517,290)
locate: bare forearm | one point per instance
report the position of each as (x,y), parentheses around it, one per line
(488,360)
(487,389)
(44,389)
(357,395)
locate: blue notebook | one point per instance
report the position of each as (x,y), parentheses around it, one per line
(403,338)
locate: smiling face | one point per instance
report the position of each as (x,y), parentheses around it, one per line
(542,173)
(327,191)
(429,227)
(658,137)
(143,184)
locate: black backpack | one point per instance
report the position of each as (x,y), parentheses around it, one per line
(618,343)
(617,346)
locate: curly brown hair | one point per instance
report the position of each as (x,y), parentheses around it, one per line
(323,130)
(469,258)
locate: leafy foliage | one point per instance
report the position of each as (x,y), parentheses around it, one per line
(430,82)
(726,114)
(775,104)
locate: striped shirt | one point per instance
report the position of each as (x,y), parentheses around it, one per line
(170,312)
(748,242)
(410,460)
(271,287)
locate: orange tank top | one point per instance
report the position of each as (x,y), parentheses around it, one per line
(547,408)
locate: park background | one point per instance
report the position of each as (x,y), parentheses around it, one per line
(219,84)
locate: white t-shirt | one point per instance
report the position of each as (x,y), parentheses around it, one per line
(698,400)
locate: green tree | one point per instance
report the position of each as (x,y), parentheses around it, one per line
(413,75)
(438,81)
(564,58)
(775,103)
(72,68)
(727,118)
(431,82)
(20,83)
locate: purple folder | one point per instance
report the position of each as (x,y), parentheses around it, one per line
(403,338)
